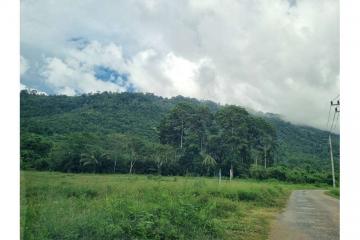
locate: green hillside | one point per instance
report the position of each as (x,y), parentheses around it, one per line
(48,122)
(304,146)
(134,113)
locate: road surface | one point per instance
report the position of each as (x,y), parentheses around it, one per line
(309,215)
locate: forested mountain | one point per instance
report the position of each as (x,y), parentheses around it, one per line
(303,146)
(133,113)
(144,133)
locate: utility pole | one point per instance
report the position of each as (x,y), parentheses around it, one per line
(332,162)
(331,153)
(219,175)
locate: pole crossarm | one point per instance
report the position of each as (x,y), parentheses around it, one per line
(335,104)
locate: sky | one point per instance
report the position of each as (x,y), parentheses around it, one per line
(279,56)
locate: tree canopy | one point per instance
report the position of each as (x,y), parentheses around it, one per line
(143,133)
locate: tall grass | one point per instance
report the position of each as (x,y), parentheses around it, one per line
(334,192)
(86,206)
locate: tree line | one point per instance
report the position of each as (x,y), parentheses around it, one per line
(229,139)
(146,134)
(192,140)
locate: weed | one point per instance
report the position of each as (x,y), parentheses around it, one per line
(85,206)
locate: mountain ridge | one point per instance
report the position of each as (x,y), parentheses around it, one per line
(141,113)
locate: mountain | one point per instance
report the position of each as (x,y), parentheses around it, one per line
(140,114)
(305,146)
(134,113)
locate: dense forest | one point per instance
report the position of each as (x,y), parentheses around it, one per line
(144,133)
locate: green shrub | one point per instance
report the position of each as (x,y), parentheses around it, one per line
(282,173)
(79,206)
(335,192)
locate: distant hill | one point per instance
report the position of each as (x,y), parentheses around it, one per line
(135,113)
(304,146)
(140,114)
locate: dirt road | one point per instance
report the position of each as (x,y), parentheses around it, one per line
(309,215)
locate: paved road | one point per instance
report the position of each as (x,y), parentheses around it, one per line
(309,215)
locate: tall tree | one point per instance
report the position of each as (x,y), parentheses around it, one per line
(174,127)
(94,159)
(232,122)
(134,148)
(162,154)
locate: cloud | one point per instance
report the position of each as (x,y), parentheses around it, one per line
(275,56)
(24,65)
(22,86)
(103,67)
(76,73)
(166,74)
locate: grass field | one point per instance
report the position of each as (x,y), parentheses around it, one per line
(88,206)
(334,193)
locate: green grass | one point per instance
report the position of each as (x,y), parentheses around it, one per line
(89,206)
(334,192)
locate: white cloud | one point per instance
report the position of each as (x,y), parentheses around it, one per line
(268,55)
(166,75)
(33,90)
(23,87)
(24,65)
(149,70)
(181,73)
(75,74)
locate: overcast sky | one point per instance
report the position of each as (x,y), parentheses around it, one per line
(279,56)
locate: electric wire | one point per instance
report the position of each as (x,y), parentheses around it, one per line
(336,121)
(327,124)
(333,122)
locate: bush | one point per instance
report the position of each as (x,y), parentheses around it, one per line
(84,206)
(334,192)
(282,173)
(258,172)
(277,172)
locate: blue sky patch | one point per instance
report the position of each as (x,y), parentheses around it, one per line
(79,42)
(110,75)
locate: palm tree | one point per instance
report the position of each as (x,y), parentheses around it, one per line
(93,159)
(208,162)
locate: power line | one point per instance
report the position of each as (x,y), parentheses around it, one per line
(337,104)
(327,124)
(331,105)
(335,112)
(337,118)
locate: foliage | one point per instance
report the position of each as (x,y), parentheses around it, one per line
(228,136)
(304,147)
(91,206)
(335,192)
(292,175)
(35,150)
(143,133)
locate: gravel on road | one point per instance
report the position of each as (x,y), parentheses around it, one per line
(309,215)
